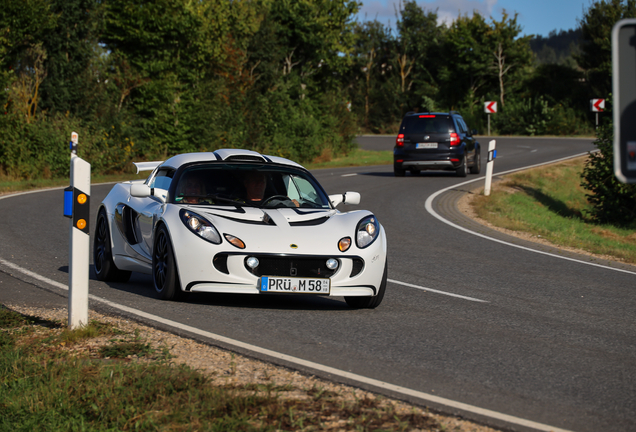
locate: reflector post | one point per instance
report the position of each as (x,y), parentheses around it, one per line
(77,199)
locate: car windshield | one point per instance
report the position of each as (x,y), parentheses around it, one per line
(430,124)
(237,184)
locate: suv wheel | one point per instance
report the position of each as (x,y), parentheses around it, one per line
(398,172)
(463,169)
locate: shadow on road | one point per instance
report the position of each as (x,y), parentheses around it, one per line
(141,285)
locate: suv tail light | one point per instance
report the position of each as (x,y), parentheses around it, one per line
(399,141)
(454,139)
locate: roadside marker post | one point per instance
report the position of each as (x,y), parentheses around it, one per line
(77,208)
(490,107)
(492,155)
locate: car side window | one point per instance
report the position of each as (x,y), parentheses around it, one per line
(162,179)
(462,126)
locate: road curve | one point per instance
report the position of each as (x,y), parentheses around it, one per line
(471,321)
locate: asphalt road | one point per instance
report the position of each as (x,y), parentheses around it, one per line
(527,335)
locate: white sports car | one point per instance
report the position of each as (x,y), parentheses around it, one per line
(236,221)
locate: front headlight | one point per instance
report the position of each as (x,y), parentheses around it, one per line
(200,226)
(367,231)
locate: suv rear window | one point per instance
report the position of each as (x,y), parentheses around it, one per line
(427,125)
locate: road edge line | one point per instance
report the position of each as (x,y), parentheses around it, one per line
(428,205)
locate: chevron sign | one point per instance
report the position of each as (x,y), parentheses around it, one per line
(490,107)
(597,105)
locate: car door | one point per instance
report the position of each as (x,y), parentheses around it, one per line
(148,209)
(468,139)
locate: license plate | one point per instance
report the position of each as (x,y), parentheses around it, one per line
(295,285)
(426,145)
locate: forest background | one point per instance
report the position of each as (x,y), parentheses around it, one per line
(146,79)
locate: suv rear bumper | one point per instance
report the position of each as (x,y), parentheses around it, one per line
(428,161)
(428,164)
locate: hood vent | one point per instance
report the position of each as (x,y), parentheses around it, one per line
(312,222)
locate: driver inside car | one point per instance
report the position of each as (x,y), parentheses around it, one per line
(255,183)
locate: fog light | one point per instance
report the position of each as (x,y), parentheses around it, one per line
(332,264)
(252,262)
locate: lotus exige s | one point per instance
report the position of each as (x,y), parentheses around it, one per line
(236,221)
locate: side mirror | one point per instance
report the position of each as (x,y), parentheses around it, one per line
(140,190)
(352,198)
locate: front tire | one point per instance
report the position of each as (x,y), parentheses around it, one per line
(369,302)
(165,278)
(105,268)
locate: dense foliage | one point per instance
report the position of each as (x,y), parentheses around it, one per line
(151,78)
(613,202)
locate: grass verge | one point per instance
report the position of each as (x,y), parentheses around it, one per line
(55,379)
(549,202)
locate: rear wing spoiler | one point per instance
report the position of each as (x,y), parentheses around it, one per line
(146,166)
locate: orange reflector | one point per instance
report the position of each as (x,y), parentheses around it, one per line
(81,198)
(81,224)
(235,241)
(344,244)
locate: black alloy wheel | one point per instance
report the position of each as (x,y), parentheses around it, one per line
(164,272)
(105,268)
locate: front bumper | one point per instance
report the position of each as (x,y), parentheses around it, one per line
(224,271)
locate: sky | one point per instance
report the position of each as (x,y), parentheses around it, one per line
(538,17)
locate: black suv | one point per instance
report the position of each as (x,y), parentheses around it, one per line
(436,141)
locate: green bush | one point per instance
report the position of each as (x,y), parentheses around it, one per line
(40,149)
(523,117)
(535,116)
(613,202)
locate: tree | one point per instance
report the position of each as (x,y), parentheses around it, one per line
(417,53)
(511,53)
(596,44)
(372,38)
(23,25)
(315,36)
(465,73)
(70,49)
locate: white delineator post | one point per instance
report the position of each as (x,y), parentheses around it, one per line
(492,154)
(79,240)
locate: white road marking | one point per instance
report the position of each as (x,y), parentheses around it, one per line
(437,291)
(349,175)
(429,208)
(298,361)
